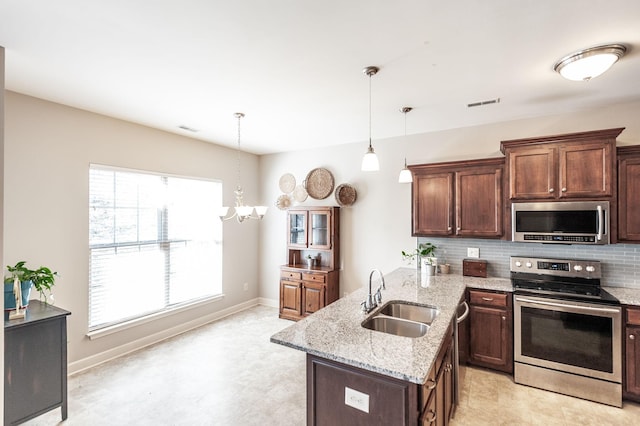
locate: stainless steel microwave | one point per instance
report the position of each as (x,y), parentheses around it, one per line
(571,222)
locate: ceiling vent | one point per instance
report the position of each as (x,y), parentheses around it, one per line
(483,103)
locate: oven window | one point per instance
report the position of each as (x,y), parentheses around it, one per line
(568,338)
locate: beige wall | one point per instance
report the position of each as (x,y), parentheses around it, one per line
(378,226)
(48,148)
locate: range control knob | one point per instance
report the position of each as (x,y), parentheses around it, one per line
(528,264)
(590,268)
(518,263)
(577,268)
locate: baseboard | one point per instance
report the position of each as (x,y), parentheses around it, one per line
(108,355)
(272,303)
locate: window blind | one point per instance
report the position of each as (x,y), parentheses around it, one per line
(155,243)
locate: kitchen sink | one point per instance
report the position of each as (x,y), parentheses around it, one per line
(420,313)
(397,326)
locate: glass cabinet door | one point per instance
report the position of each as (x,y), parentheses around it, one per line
(297,229)
(319,233)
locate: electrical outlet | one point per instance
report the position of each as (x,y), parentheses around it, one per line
(357,400)
(473,252)
(246,286)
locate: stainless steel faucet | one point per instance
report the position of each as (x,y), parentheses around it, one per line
(372,300)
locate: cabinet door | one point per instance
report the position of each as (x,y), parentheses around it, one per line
(490,338)
(432,204)
(319,230)
(479,202)
(532,173)
(290,298)
(629,199)
(297,229)
(585,170)
(632,380)
(313,297)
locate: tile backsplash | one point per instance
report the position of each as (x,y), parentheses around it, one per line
(620,262)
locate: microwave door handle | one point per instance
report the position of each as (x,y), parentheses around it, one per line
(600,223)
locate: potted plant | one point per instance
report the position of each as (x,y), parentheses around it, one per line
(43,279)
(424,251)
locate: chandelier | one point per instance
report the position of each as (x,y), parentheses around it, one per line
(405,174)
(241,211)
(370,161)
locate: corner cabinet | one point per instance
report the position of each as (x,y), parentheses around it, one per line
(629,194)
(491,330)
(313,231)
(461,198)
(631,350)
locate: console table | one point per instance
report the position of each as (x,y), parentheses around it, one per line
(35,363)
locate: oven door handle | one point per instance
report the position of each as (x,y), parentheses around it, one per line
(566,305)
(600,223)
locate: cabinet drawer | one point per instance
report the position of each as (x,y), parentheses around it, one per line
(290,275)
(316,278)
(487,298)
(633,316)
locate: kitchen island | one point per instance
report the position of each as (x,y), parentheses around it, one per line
(336,341)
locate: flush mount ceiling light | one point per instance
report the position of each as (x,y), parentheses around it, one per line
(370,161)
(589,63)
(241,211)
(405,174)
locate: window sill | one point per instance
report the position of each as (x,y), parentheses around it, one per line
(106,331)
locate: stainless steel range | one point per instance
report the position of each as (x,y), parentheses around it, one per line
(567,329)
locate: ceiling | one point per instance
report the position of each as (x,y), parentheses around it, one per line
(294,67)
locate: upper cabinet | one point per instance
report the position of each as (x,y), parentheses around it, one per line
(461,198)
(569,166)
(629,194)
(310,229)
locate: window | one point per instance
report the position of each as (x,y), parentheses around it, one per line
(155,243)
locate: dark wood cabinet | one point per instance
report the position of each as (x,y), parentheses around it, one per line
(568,166)
(35,363)
(629,194)
(311,231)
(491,330)
(461,198)
(631,387)
(382,400)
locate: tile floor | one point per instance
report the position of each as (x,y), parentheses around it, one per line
(228,373)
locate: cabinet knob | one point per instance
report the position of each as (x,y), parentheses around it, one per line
(564,189)
(632,337)
(432,417)
(459,228)
(449,228)
(431,384)
(504,318)
(551,189)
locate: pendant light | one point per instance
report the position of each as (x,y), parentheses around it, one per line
(589,63)
(241,211)
(405,174)
(370,161)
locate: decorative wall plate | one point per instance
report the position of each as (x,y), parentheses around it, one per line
(283,202)
(287,183)
(300,194)
(345,195)
(319,183)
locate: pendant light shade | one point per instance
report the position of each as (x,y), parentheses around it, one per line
(589,63)
(405,174)
(370,161)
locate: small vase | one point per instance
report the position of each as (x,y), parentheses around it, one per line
(9,297)
(309,263)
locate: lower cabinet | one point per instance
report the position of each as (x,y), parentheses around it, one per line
(631,387)
(305,291)
(338,394)
(491,329)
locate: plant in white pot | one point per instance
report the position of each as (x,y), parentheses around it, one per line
(424,255)
(42,279)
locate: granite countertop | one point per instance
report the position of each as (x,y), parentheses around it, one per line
(335,332)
